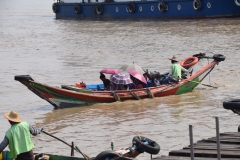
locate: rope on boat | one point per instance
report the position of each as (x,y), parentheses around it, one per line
(75,147)
(83,154)
(209,76)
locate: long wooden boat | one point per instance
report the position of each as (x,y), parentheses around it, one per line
(62,97)
(140,144)
(5,156)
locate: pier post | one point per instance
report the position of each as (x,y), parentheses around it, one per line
(72,149)
(191,141)
(218,139)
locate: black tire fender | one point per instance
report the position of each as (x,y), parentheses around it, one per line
(106,154)
(99,9)
(232,104)
(219,57)
(131,7)
(54,7)
(152,147)
(77,9)
(162,7)
(197,5)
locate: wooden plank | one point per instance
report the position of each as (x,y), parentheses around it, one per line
(200,143)
(226,137)
(134,95)
(189,158)
(117,98)
(221,141)
(150,94)
(212,146)
(207,149)
(205,153)
(215,147)
(232,134)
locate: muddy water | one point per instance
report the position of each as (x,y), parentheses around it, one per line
(59,52)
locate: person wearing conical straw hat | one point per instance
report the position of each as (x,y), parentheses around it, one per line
(175,73)
(18,137)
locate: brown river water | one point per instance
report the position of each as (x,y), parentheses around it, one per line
(57,52)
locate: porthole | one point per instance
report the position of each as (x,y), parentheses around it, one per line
(152,8)
(179,7)
(140,8)
(209,5)
(116,9)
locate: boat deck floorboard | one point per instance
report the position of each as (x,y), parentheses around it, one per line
(207,149)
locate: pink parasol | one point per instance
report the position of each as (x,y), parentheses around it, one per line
(110,71)
(137,75)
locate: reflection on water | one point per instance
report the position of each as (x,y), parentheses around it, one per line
(57,52)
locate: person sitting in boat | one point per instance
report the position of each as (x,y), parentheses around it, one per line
(175,73)
(152,80)
(146,77)
(106,82)
(137,83)
(129,86)
(18,137)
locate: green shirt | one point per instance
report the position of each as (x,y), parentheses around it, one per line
(19,139)
(176,70)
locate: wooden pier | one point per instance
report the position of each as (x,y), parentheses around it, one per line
(207,149)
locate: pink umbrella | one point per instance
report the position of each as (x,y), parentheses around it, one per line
(110,71)
(137,75)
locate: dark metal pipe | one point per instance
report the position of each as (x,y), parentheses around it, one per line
(191,141)
(218,139)
(72,149)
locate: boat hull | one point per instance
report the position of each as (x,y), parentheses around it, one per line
(61,97)
(6,156)
(150,9)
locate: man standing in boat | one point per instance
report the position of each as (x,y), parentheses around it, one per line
(18,137)
(175,73)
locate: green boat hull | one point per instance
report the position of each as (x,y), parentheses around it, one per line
(5,155)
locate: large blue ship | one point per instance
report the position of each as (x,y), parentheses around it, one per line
(145,9)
